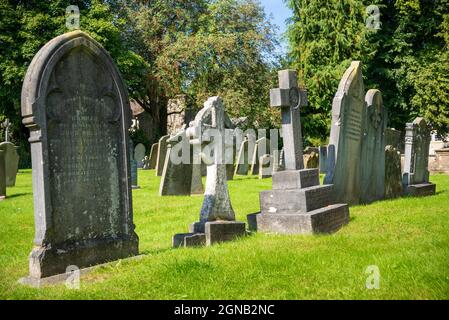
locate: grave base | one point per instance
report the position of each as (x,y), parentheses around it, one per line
(210,233)
(421,190)
(325,220)
(61,278)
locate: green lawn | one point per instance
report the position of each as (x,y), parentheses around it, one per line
(408,239)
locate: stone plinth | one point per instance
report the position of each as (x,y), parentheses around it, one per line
(421,190)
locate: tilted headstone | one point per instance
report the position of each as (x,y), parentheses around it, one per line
(266,163)
(2,176)
(348,113)
(415,177)
(242,162)
(373,149)
(393,173)
(297,204)
(217,218)
(323,159)
(153,155)
(139,154)
(11,162)
(262,147)
(75,104)
(161,153)
(177,174)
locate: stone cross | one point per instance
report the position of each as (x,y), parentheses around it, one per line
(290,99)
(6,125)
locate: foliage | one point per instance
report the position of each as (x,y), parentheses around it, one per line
(406,59)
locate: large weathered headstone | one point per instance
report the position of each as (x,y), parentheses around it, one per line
(415,177)
(348,113)
(262,147)
(297,203)
(75,105)
(11,162)
(393,173)
(161,153)
(373,149)
(2,176)
(153,155)
(139,154)
(217,218)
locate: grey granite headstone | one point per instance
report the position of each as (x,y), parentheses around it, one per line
(415,177)
(262,148)
(177,174)
(139,154)
(266,163)
(217,217)
(297,203)
(153,155)
(11,162)
(242,162)
(2,176)
(323,159)
(348,114)
(76,107)
(393,173)
(373,149)
(161,153)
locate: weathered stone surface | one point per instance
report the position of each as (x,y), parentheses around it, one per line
(222,231)
(294,201)
(177,175)
(323,159)
(262,148)
(325,220)
(348,114)
(393,173)
(421,190)
(161,154)
(75,104)
(242,162)
(11,162)
(139,154)
(189,240)
(2,176)
(266,164)
(277,161)
(178,115)
(153,155)
(330,164)
(417,143)
(373,149)
(133,166)
(393,138)
(296,179)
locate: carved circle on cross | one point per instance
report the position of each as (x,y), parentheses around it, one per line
(294,98)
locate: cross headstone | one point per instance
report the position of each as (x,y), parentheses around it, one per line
(75,104)
(217,218)
(290,99)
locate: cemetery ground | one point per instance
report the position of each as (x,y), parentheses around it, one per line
(406,238)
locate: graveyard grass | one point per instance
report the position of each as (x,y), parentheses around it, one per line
(406,238)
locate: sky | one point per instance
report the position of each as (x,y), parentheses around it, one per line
(280,13)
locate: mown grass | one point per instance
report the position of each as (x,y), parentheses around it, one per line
(408,239)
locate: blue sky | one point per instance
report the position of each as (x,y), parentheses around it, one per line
(280,13)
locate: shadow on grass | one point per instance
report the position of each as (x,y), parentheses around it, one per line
(18,195)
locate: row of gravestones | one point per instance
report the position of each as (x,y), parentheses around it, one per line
(9,163)
(362,160)
(76,107)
